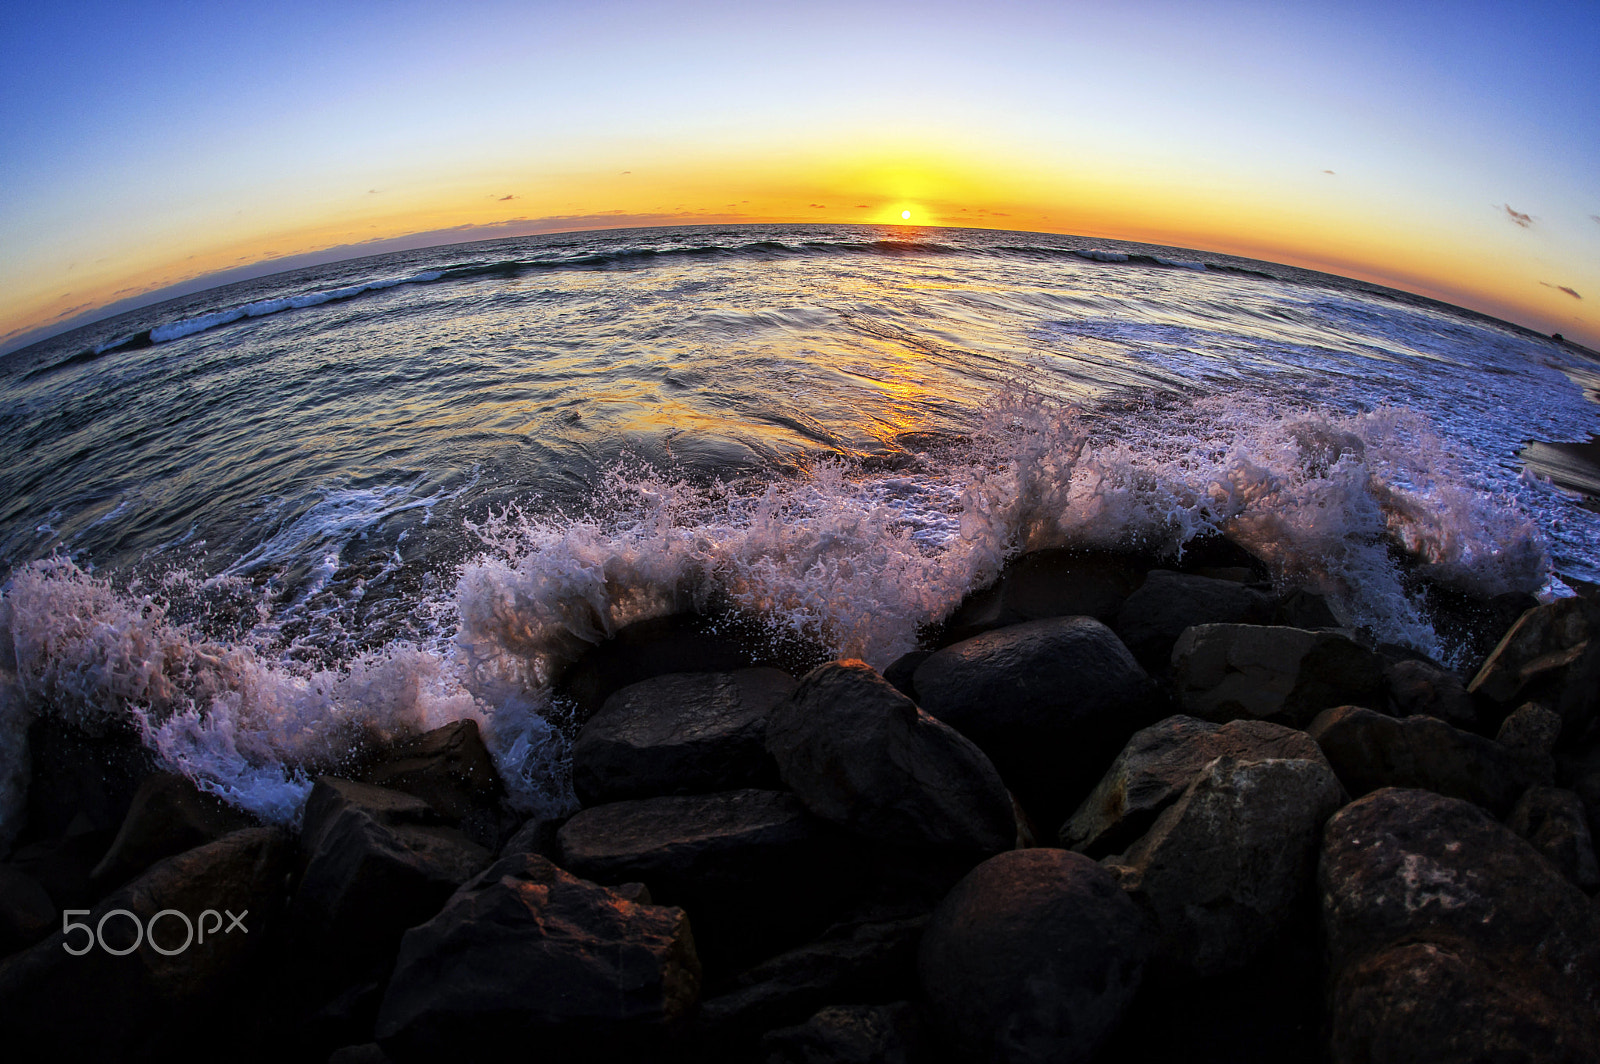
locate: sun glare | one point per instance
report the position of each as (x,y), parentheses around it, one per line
(905,215)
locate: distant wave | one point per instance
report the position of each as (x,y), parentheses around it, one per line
(620,259)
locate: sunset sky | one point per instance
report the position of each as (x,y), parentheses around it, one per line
(1451,149)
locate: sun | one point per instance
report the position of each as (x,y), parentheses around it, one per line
(905,215)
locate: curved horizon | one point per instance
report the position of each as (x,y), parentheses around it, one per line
(1445,151)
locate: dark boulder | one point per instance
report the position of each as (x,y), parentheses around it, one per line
(1530,733)
(1049,583)
(64,867)
(1035,956)
(1153,617)
(1530,661)
(168,815)
(180,983)
(1051,702)
(859,753)
(1284,675)
(683,733)
(1450,938)
(1418,689)
(851,1034)
(1369,750)
(527,958)
(754,869)
(369,875)
(537,835)
(83,776)
(901,671)
(1157,766)
(681,642)
(868,957)
(1228,867)
(1554,822)
(450,769)
(26,912)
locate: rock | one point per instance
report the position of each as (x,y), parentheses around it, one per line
(866,958)
(682,642)
(753,868)
(369,876)
(1580,774)
(683,733)
(1051,702)
(79,776)
(1451,938)
(1226,868)
(901,671)
(152,1002)
(1529,660)
(862,755)
(1369,750)
(1579,700)
(850,1034)
(528,956)
(1554,822)
(1157,766)
(535,835)
(26,912)
(1153,617)
(168,815)
(1035,956)
(1300,608)
(63,867)
(1418,689)
(449,768)
(1530,733)
(1285,675)
(1049,583)
(366,1053)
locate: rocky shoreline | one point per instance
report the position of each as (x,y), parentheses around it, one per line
(1116,810)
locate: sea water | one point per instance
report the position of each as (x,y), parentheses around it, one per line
(272,522)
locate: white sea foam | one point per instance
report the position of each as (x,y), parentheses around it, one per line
(201,323)
(853,560)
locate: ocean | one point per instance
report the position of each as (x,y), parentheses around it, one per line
(267,520)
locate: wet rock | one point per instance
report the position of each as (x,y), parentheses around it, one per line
(527,956)
(1035,956)
(168,815)
(683,733)
(1157,766)
(1530,733)
(1580,773)
(682,642)
(370,874)
(1049,583)
(1153,617)
(753,868)
(1051,702)
(850,1034)
(1554,822)
(1285,675)
(535,835)
(900,672)
(1450,938)
(870,957)
(1227,867)
(63,867)
(1418,689)
(1369,750)
(1530,660)
(1303,609)
(76,775)
(26,912)
(861,754)
(160,997)
(449,768)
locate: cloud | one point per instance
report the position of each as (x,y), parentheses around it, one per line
(506,197)
(1562,288)
(863,206)
(818,206)
(625,173)
(1595,217)
(372,192)
(1328,172)
(1516,216)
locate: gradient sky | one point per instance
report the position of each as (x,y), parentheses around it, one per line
(1451,149)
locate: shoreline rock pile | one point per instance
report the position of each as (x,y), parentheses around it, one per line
(1112,811)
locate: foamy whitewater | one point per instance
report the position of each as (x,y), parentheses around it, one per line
(274,523)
